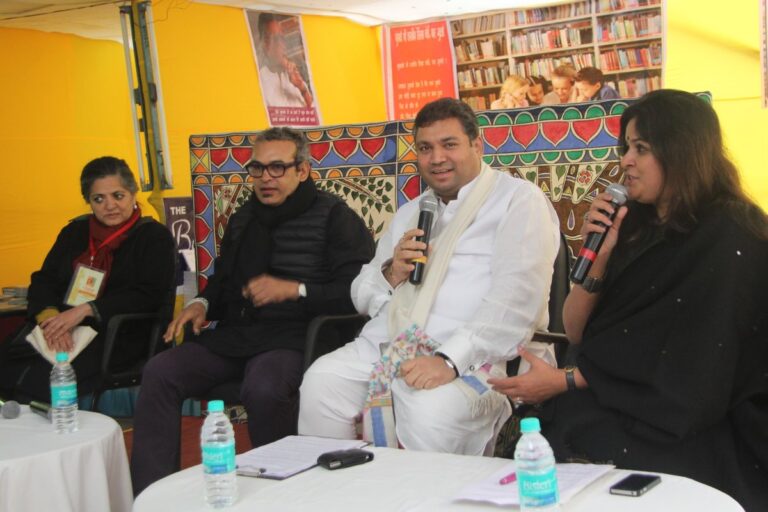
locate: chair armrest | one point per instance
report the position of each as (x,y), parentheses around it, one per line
(351,322)
(113,327)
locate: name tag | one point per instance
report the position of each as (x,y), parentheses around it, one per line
(85,286)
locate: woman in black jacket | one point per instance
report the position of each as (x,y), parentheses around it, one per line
(672,371)
(109,262)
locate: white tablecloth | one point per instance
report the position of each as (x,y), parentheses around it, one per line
(399,480)
(84,471)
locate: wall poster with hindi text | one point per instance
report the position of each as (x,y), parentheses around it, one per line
(418,66)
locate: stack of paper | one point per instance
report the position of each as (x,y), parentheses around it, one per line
(571,479)
(289,455)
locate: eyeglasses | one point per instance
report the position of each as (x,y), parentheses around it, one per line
(275,169)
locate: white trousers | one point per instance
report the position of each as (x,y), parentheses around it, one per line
(440,420)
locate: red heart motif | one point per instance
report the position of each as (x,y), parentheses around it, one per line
(202,281)
(204,259)
(371,147)
(613,125)
(555,131)
(202,230)
(345,147)
(219,156)
(496,135)
(201,201)
(318,150)
(525,133)
(242,155)
(586,129)
(412,187)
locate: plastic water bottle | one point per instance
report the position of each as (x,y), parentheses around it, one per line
(535,466)
(63,395)
(217,440)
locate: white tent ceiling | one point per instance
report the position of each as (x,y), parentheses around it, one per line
(99,19)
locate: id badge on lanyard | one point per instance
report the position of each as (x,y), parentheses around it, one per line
(85,285)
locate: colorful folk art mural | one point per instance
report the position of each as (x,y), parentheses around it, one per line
(569,151)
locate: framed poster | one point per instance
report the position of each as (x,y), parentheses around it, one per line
(284,72)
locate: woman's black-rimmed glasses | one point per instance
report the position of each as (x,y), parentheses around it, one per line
(275,169)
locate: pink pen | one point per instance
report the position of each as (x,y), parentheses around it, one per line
(508,479)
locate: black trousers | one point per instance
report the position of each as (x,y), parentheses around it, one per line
(269,393)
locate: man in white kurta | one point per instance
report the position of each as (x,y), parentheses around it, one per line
(491,298)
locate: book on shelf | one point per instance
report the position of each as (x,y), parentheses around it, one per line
(544,66)
(637,86)
(626,27)
(628,58)
(618,5)
(485,23)
(553,13)
(551,39)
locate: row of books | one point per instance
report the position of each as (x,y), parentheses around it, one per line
(554,13)
(481,76)
(479,24)
(480,102)
(629,58)
(624,27)
(544,67)
(468,50)
(564,37)
(634,87)
(618,5)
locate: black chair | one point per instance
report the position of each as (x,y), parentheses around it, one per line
(558,291)
(124,331)
(325,333)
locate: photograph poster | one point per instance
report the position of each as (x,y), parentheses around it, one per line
(283,68)
(418,67)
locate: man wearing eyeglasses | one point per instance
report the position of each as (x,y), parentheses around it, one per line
(288,254)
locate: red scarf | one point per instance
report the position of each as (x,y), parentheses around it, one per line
(103,241)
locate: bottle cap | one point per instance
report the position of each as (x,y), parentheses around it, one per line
(61,357)
(215,406)
(530,425)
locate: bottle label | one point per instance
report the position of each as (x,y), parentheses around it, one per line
(538,489)
(219,458)
(63,395)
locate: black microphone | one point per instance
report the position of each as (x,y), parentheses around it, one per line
(589,250)
(10,409)
(41,408)
(428,207)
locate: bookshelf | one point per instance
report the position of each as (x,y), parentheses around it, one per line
(623,38)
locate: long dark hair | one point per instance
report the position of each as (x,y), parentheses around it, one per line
(684,134)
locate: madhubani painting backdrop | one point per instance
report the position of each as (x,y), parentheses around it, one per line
(569,151)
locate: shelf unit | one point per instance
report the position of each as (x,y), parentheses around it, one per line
(623,38)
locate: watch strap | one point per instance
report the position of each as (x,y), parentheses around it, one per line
(570,378)
(592,284)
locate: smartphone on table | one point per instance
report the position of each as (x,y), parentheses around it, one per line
(635,484)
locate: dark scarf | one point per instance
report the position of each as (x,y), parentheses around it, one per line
(104,241)
(255,248)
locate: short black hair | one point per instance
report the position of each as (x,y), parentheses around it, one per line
(448,108)
(289,134)
(265,18)
(103,167)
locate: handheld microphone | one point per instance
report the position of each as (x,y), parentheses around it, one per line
(10,409)
(589,250)
(41,408)
(428,207)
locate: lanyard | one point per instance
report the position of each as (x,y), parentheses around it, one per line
(91,246)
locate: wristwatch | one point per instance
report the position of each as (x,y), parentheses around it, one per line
(570,378)
(592,284)
(302,291)
(450,364)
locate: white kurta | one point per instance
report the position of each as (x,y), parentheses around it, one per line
(278,90)
(493,297)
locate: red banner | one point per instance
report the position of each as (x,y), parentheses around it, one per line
(418,67)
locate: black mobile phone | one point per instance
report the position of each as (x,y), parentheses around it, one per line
(344,458)
(635,484)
